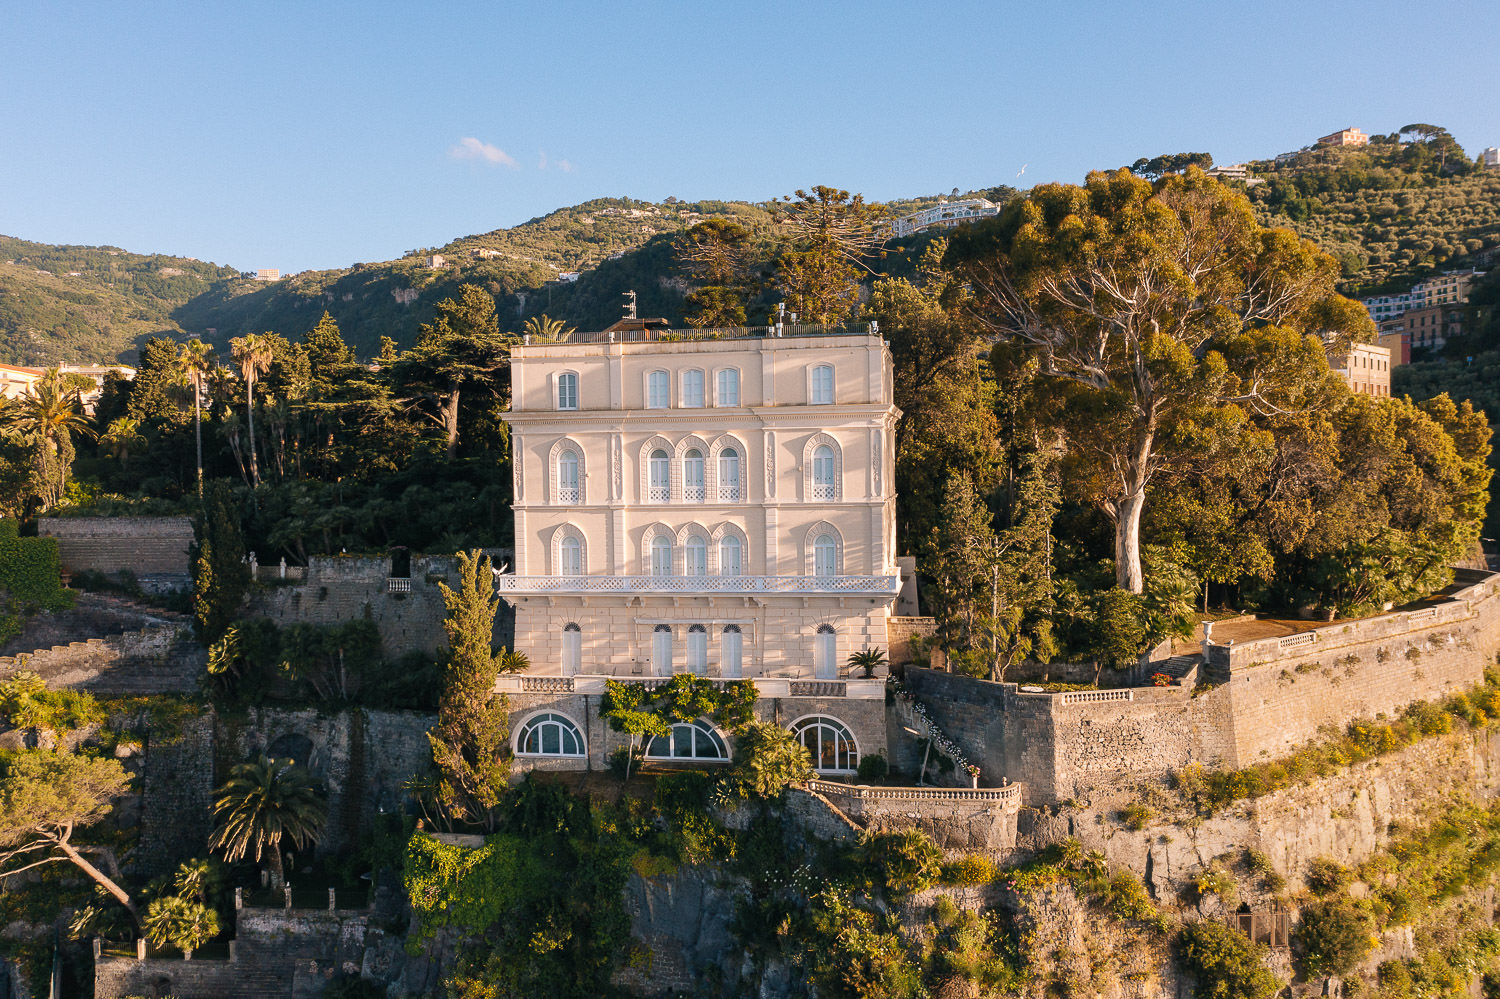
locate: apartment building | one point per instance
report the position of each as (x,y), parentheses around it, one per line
(1366,367)
(945,214)
(1345,137)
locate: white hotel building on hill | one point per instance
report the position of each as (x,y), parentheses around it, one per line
(716,504)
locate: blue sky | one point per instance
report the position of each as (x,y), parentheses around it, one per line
(310,135)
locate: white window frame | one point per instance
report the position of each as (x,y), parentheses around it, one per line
(659,476)
(825,653)
(659,552)
(694,476)
(731,542)
(568,477)
(572,649)
(825,464)
(727,377)
(694,391)
(825,548)
(551,719)
(731,487)
(566,395)
(659,389)
(849,754)
(697,650)
(695,556)
(570,556)
(661,650)
(820,385)
(731,652)
(698,732)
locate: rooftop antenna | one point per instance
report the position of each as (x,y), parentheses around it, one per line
(630,305)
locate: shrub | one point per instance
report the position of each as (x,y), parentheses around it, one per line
(1136,815)
(1326,876)
(1127,898)
(1332,937)
(1224,963)
(872,769)
(969,871)
(904,862)
(1218,882)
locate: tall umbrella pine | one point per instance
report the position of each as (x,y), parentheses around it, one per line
(264,805)
(253,355)
(195,359)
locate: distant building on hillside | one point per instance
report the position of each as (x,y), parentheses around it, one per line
(16,381)
(1434,325)
(567,277)
(1397,342)
(1491,158)
(268,274)
(485,253)
(1345,137)
(437,261)
(1366,367)
(945,214)
(1235,171)
(1447,288)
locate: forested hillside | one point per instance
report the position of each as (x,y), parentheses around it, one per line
(90,303)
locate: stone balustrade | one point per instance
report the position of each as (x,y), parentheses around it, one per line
(828,788)
(508,584)
(765,687)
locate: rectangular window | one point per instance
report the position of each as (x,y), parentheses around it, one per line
(658,388)
(692,389)
(567,391)
(729,387)
(822,385)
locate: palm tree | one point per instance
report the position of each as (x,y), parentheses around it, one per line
(51,412)
(542,329)
(182,922)
(263,804)
(867,659)
(195,360)
(253,354)
(121,436)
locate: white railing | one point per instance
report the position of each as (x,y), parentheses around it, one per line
(696,584)
(729,492)
(1011,792)
(397,584)
(694,494)
(659,494)
(567,494)
(818,688)
(765,686)
(1297,640)
(1091,696)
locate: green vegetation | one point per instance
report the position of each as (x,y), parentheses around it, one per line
(30,578)
(1224,963)
(639,712)
(1209,790)
(263,805)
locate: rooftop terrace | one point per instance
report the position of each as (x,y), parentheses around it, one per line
(778,332)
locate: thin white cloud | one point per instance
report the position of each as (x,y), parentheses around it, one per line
(541,159)
(470,148)
(565,166)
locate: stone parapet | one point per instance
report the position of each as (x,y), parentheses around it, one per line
(143,545)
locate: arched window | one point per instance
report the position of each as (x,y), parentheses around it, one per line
(567,477)
(661,555)
(822,385)
(688,741)
(572,649)
(660,470)
(824,484)
(825,653)
(692,476)
(825,555)
(567,391)
(829,742)
(695,556)
(661,650)
(730,648)
(731,556)
(692,388)
(570,557)
(550,734)
(697,650)
(729,475)
(729,388)
(658,390)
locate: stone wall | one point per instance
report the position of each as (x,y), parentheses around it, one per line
(156,659)
(956,819)
(176,796)
(143,545)
(409,611)
(900,630)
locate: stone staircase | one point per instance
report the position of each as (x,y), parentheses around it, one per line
(1183,669)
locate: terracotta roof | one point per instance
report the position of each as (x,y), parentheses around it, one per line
(39,372)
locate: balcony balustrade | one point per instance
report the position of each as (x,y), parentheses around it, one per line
(883,585)
(765,686)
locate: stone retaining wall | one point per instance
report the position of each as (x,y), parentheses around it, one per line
(153,660)
(143,545)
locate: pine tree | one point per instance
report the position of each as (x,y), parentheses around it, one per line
(469,742)
(220,573)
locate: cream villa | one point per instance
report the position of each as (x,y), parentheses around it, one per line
(713,504)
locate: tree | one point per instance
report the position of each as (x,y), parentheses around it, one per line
(961,551)
(716,255)
(195,360)
(469,742)
(1224,963)
(1170,311)
(51,413)
(767,758)
(44,797)
(834,232)
(151,390)
(221,574)
(628,708)
(459,351)
(1167,163)
(328,356)
(263,805)
(544,329)
(253,354)
(121,437)
(180,922)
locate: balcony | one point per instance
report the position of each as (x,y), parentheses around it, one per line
(765,686)
(862,585)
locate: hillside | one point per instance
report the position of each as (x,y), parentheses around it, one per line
(1391,212)
(90,303)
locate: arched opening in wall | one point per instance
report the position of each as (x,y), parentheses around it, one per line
(688,741)
(824,482)
(829,742)
(400,562)
(661,650)
(825,555)
(693,476)
(695,557)
(550,734)
(572,649)
(293,746)
(659,475)
(825,653)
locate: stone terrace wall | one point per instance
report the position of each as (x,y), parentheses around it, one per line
(339,588)
(1282,690)
(154,660)
(144,545)
(176,796)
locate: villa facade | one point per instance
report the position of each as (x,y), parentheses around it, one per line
(717,504)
